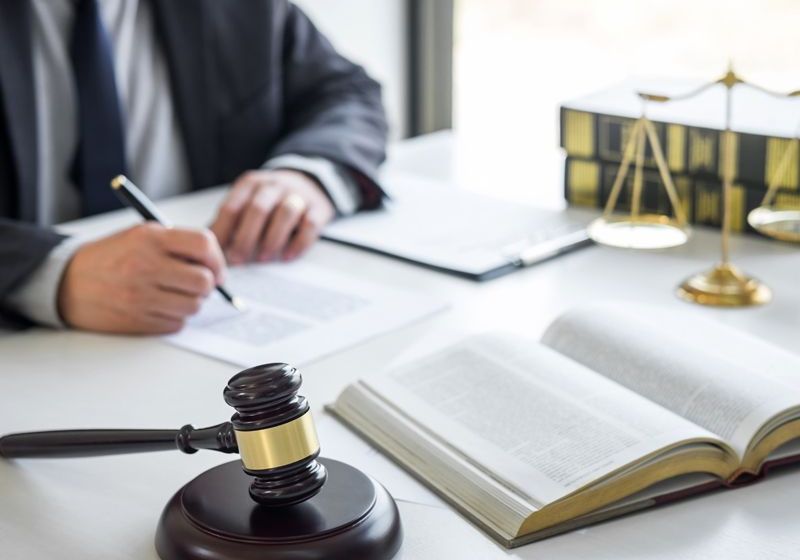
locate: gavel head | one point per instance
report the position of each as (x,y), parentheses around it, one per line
(275,434)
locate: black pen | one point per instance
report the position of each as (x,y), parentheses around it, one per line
(132,196)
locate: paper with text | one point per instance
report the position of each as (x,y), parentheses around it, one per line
(721,379)
(297,313)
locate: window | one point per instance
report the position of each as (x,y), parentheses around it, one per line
(516,60)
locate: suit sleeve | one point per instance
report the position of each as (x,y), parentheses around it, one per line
(23,248)
(333,108)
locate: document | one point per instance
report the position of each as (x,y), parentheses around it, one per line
(458,231)
(297,313)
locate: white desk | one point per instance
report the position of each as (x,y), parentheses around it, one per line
(107,508)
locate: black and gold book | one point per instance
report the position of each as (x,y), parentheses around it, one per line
(588,183)
(597,127)
(617,408)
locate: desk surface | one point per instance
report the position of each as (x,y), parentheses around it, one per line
(107,508)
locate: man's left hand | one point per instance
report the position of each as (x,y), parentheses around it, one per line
(270,215)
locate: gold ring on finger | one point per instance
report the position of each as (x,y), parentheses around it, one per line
(294,202)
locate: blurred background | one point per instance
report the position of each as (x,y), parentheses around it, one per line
(496,71)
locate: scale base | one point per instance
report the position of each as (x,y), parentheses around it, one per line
(724,286)
(214,518)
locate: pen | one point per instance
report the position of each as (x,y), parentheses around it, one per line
(132,196)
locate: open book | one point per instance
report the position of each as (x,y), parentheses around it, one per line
(617,409)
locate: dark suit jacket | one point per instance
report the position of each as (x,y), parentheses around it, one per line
(251,80)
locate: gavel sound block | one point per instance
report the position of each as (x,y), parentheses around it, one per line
(281,501)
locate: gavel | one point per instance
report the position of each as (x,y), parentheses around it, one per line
(299,504)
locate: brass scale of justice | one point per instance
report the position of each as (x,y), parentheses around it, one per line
(724,285)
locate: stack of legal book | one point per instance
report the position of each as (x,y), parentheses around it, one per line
(595,129)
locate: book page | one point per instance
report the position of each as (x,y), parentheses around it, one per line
(693,366)
(297,313)
(542,424)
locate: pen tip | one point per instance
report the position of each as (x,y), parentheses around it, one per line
(118,181)
(238,303)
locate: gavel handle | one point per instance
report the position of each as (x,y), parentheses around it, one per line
(92,443)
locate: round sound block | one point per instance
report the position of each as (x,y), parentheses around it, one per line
(214,518)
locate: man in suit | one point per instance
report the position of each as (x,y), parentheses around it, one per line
(180,95)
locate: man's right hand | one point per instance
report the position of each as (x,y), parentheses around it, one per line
(145,280)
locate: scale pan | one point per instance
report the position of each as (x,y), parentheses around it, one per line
(783,225)
(647,231)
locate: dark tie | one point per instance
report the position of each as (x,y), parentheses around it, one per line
(101,145)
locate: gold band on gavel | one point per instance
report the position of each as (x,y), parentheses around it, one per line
(278,446)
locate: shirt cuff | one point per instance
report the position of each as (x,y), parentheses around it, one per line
(337,181)
(37,298)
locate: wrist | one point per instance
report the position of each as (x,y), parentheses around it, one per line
(37,298)
(67,289)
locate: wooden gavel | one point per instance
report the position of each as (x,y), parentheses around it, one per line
(272,431)
(300,505)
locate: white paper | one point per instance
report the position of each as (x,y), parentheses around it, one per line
(444,226)
(297,313)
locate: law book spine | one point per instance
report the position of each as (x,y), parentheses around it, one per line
(588,183)
(689,150)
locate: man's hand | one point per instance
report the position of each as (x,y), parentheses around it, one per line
(271,214)
(145,280)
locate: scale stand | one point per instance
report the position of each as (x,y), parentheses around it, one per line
(725,285)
